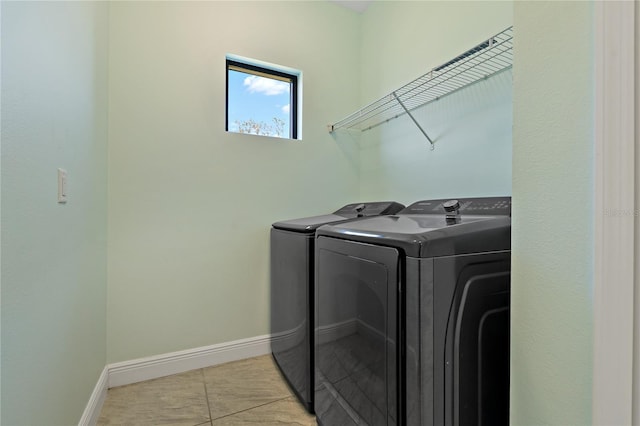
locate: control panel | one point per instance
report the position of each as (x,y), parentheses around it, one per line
(493,206)
(370,209)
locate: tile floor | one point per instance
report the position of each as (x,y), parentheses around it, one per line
(245,392)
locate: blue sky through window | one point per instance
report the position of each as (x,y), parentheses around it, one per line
(260,99)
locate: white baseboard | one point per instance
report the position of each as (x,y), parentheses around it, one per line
(94,406)
(138,370)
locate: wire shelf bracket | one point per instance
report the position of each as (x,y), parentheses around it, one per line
(412,118)
(478,63)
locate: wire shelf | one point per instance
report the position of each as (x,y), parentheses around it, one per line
(481,62)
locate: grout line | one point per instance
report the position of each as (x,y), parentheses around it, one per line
(249,409)
(206,395)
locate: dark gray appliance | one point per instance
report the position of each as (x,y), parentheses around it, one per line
(412,316)
(292,259)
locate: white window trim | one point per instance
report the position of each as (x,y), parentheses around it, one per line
(613,293)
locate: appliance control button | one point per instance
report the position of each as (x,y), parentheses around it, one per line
(451,205)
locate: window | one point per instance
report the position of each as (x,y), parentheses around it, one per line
(261,101)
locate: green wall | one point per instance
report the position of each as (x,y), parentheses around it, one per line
(190,206)
(402,40)
(53,316)
(552,312)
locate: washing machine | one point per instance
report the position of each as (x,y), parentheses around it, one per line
(412,316)
(292,273)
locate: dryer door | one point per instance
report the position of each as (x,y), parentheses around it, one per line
(356,306)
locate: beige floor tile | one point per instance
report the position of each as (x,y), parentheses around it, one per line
(283,412)
(245,384)
(174,400)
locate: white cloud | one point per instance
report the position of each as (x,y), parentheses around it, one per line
(265,86)
(286,108)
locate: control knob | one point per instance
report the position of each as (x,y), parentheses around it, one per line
(452,207)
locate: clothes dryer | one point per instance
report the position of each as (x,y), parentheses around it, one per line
(412,316)
(292,272)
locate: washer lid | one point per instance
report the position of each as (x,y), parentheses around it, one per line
(431,235)
(350,211)
(309,224)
